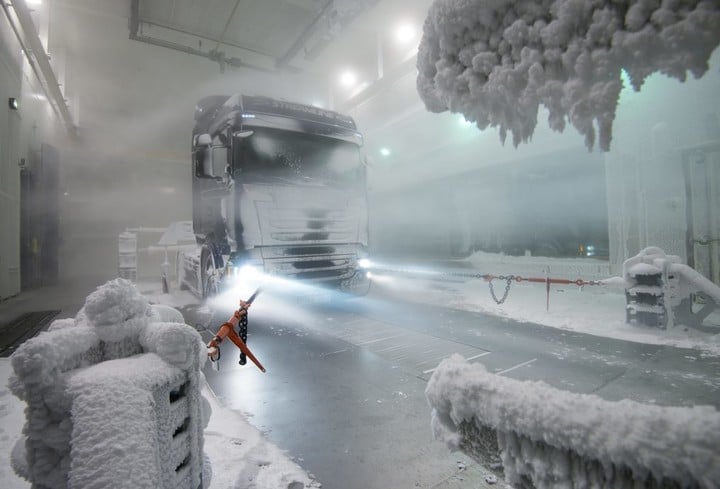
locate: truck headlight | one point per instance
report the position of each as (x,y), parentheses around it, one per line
(249,271)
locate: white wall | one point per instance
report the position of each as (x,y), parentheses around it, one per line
(647,200)
(10,83)
(21,133)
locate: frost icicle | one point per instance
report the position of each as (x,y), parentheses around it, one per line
(497,61)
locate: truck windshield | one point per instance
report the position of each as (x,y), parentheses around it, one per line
(296,157)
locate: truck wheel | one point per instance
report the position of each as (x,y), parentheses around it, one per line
(358,285)
(208,275)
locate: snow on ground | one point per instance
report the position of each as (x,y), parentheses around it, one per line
(240,456)
(597,310)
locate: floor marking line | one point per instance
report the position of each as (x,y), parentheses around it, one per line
(516,366)
(478,356)
(381,339)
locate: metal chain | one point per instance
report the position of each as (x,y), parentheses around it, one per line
(508,281)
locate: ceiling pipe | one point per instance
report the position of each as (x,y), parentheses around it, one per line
(380,85)
(227,25)
(302,40)
(214,55)
(48,79)
(21,41)
(344,12)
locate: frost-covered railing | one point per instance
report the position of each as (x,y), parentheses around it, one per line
(540,437)
(113,397)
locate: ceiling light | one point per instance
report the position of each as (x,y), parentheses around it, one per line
(385,151)
(33,2)
(348,79)
(405,33)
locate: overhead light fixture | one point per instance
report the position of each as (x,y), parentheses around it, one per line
(33,2)
(385,151)
(405,33)
(348,78)
(13,103)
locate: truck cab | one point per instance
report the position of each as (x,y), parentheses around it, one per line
(278,187)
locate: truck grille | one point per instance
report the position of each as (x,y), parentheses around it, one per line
(309,244)
(313,263)
(303,226)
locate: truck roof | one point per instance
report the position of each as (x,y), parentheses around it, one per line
(213,109)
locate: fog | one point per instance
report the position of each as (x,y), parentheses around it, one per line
(614,158)
(446,188)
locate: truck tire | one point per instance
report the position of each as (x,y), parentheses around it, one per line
(358,285)
(208,275)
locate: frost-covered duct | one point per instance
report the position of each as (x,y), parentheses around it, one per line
(497,61)
(659,290)
(335,16)
(547,438)
(113,397)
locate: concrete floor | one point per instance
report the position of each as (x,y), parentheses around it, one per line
(344,391)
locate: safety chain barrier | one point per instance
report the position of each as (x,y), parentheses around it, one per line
(517,278)
(508,279)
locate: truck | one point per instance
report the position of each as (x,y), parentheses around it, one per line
(278,188)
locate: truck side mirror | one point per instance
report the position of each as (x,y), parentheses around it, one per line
(208,164)
(203,162)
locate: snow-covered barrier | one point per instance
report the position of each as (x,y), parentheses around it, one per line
(660,290)
(113,397)
(540,437)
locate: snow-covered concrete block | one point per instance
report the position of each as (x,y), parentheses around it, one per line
(112,390)
(136,423)
(539,436)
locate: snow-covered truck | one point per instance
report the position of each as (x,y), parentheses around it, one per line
(278,188)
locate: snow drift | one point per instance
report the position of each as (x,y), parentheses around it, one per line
(497,61)
(546,438)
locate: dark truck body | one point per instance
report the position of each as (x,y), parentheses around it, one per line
(279,187)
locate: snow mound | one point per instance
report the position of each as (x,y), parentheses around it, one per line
(497,61)
(556,437)
(115,302)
